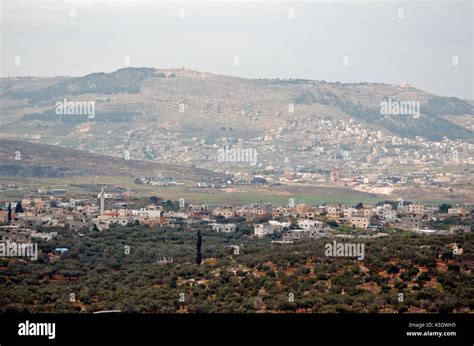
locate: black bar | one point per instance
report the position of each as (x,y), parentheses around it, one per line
(221,329)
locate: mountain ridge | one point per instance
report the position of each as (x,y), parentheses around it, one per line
(160,92)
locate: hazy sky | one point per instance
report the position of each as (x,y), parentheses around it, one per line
(384,41)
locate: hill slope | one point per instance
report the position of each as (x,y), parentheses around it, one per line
(25,159)
(166,114)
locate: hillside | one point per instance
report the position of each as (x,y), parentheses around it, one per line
(182,116)
(33,160)
(152,92)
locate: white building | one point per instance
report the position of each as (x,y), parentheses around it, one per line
(176,214)
(386,212)
(103,222)
(263,229)
(279,224)
(147,213)
(223,227)
(310,224)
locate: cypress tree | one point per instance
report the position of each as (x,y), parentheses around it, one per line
(198,248)
(9,213)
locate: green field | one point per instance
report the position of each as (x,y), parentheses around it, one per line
(278,196)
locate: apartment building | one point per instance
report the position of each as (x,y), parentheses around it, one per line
(359,221)
(224,227)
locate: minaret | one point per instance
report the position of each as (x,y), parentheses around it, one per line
(102,202)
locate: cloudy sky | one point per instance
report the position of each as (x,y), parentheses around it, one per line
(426,43)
